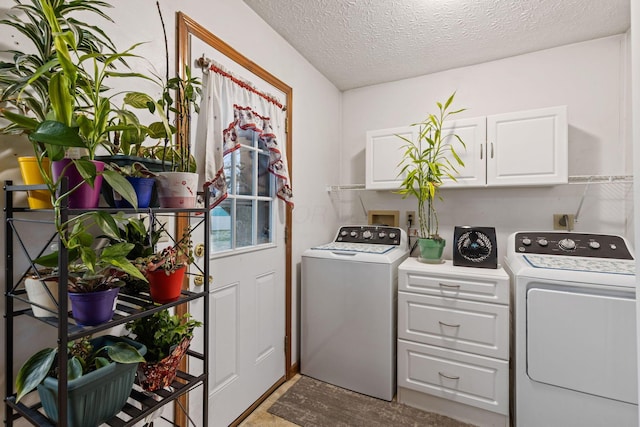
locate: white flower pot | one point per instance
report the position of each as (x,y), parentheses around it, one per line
(38,294)
(177,189)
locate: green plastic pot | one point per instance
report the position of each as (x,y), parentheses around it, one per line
(431,250)
(97,396)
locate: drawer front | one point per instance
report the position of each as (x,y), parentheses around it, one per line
(475,327)
(478,288)
(478,381)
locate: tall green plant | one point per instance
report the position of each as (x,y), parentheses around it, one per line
(19,93)
(426,162)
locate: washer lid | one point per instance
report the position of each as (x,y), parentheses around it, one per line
(593,265)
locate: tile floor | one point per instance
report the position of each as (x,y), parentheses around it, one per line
(261,418)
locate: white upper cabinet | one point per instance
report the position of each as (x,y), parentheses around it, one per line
(528,147)
(525,148)
(383,156)
(473,133)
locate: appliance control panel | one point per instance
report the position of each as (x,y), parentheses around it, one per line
(572,244)
(372,234)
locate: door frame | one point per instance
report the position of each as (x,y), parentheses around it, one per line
(188,27)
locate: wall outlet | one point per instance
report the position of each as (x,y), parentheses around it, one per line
(411,218)
(563,221)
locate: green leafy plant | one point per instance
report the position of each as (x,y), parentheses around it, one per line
(161,332)
(82,359)
(426,162)
(22,96)
(94,268)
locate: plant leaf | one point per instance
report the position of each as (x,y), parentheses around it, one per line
(56,133)
(33,372)
(120,184)
(122,352)
(74,368)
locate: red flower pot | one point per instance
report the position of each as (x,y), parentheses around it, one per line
(165,288)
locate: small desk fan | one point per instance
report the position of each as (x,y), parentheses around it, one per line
(475,247)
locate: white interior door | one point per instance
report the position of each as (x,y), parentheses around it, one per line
(247,301)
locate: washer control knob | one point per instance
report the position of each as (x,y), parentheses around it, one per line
(366,234)
(392,235)
(543,242)
(567,244)
(382,234)
(343,233)
(613,246)
(594,245)
(354,234)
(526,241)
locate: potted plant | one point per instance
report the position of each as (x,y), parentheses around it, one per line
(165,270)
(27,84)
(141,179)
(23,100)
(424,164)
(178,187)
(96,269)
(167,338)
(101,372)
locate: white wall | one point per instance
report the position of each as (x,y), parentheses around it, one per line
(316,105)
(591,78)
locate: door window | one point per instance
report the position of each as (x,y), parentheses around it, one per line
(244,219)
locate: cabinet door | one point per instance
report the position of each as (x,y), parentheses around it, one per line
(384,154)
(528,147)
(473,133)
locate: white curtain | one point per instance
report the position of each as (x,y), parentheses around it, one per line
(228,105)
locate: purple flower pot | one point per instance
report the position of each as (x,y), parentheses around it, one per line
(93,308)
(84,197)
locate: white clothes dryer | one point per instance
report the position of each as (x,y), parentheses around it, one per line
(574,358)
(348,309)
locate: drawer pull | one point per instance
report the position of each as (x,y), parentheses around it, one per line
(448,324)
(444,285)
(451,377)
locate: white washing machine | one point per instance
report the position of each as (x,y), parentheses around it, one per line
(574,358)
(348,309)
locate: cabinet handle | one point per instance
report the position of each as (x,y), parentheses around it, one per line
(444,285)
(448,324)
(451,377)
(481,151)
(492,150)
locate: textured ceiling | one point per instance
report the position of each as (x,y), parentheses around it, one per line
(358,43)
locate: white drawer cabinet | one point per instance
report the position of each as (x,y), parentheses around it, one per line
(453,341)
(512,149)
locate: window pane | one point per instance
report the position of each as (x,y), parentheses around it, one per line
(228,176)
(221,227)
(244,171)
(264,222)
(244,223)
(264,188)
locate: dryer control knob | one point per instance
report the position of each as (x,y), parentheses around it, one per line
(382,234)
(392,235)
(567,244)
(354,234)
(543,242)
(366,234)
(594,245)
(526,241)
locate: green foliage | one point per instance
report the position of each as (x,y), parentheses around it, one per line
(426,162)
(161,332)
(93,269)
(82,359)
